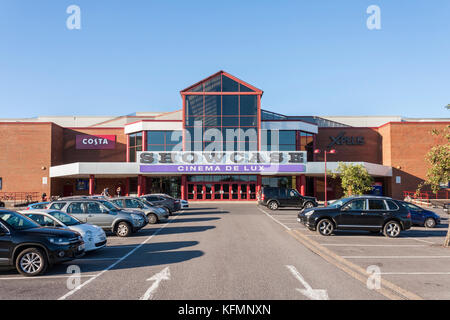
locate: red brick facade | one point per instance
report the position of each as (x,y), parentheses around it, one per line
(28,150)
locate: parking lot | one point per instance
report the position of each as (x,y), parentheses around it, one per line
(416,261)
(244,251)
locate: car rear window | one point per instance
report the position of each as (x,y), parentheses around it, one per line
(57,205)
(391,205)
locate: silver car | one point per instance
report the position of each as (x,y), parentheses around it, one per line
(154,213)
(103,214)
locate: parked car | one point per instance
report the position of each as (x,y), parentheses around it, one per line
(370,213)
(30,248)
(103,214)
(153,213)
(276,197)
(164,200)
(93,236)
(421,216)
(38,205)
(2,204)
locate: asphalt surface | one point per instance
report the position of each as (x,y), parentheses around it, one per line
(243,251)
(210,251)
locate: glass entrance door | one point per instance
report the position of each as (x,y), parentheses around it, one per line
(238,190)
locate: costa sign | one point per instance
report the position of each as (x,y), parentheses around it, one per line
(97,142)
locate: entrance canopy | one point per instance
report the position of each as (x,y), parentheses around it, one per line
(133,169)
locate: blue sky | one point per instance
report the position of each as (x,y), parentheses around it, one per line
(309,57)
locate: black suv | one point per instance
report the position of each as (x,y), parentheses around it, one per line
(369,213)
(31,248)
(275,197)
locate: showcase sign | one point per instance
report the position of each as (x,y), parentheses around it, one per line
(222,162)
(95,142)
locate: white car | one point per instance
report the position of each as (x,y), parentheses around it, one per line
(93,236)
(184,204)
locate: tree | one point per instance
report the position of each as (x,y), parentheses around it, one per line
(439,171)
(355,180)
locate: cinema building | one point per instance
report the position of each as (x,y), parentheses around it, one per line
(83,155)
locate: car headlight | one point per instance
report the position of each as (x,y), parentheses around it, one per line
(307,214)
(59,241)
(89,235)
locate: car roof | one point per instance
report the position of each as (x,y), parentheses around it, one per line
(46,211)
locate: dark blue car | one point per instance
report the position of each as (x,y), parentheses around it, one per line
(422,217)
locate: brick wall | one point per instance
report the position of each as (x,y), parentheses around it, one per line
(369,151)
(405,146)
(25,156)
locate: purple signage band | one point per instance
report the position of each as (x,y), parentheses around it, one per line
(221,168)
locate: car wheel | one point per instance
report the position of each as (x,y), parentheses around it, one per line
(392,229)
(325,227)
(123,229)
(31,262)
(273,205)
(430,223)
(168,210)
(152,218)
(308,205)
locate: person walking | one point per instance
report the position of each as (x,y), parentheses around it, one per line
(105,192)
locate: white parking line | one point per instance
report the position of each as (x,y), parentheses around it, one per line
(71,292)
(267,214)
(396,257)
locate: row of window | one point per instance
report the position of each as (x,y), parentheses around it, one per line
(220,83)
(245,140)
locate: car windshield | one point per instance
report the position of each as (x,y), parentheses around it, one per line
(65,218)
(147,203)
(339,203)
(110,205)
(17,221)
(144,203)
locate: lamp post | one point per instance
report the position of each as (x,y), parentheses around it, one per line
(332,151)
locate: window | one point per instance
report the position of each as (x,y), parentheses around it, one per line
(118,202)
(376,204)
(221,111)
(75,207)
(95,207)
(163,140)
(1,183)
(135,145)
(132,203)
(65,218)
(392,205)
(356,205)
(57,205)
(43,220)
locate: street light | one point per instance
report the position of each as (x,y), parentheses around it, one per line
(332,151)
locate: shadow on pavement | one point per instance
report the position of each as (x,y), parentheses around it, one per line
(181,220)
(199,208)
(174,230)
(204,213)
